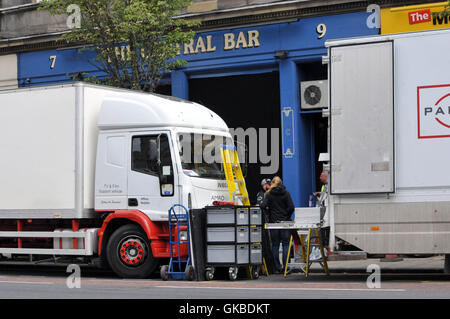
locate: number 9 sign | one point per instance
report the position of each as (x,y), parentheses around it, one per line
(321,30)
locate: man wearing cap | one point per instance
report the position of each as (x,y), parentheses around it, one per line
(267,243)
(265,185)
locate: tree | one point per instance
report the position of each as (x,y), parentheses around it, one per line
(135,41)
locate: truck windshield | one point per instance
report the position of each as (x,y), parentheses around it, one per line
(200,154)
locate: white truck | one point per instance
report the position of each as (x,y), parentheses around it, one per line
(90,172)
(389,142)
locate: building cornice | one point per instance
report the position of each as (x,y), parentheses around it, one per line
(220,19)
(19,8)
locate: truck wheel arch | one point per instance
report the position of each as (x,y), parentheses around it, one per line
(121,217)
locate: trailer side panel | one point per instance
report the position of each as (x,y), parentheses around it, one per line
(38,143)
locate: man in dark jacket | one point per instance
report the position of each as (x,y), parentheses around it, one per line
(279,203)
(267,246)
(265,185)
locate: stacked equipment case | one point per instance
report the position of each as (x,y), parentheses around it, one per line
(233,239)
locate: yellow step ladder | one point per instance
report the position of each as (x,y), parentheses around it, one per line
(306,249)
(233,174)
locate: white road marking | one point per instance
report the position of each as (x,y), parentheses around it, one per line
(26,282)
(301,289)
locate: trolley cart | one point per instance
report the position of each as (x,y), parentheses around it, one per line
(180,265)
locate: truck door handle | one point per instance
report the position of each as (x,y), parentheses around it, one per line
(133,202)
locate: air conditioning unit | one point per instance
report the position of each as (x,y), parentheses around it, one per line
(314,94)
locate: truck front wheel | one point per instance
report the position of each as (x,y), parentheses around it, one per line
(129,253)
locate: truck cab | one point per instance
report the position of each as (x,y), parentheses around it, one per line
(155,151)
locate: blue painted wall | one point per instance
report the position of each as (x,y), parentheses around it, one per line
(299,39)
(52,66)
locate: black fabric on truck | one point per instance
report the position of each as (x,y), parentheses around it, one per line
(197,219)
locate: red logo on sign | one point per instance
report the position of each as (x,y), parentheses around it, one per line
(441,111)
(419,16)
(433,111)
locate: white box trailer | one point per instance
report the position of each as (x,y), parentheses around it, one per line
(389,142)
(48,138)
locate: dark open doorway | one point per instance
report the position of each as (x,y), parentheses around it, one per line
(320,145)
(246,101)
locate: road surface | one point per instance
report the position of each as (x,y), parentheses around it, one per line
(408,279)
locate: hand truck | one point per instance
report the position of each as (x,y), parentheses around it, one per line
(180,265)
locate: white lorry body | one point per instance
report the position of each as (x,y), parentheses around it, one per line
(389,142)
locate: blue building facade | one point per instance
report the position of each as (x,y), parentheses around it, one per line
(234,63)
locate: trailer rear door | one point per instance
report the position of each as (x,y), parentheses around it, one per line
(362,118)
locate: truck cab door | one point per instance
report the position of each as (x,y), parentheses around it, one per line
(151,176)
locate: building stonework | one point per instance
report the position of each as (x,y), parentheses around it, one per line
(14,3)
(23,27)
(27,21)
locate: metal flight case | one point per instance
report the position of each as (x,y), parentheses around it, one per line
(233,240)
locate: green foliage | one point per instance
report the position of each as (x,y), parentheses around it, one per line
(135,41)
(445,12)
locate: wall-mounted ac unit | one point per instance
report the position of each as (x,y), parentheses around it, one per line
(314,94)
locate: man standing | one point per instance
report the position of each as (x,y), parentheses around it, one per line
(323,202)
(323,194)
(265,185)
(267,246)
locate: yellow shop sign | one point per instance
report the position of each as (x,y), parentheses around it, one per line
(414,18)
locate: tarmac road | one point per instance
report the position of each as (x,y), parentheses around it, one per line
(408,279)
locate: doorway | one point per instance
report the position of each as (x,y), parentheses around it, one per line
(250,102)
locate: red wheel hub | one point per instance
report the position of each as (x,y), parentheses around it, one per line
(132,252)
